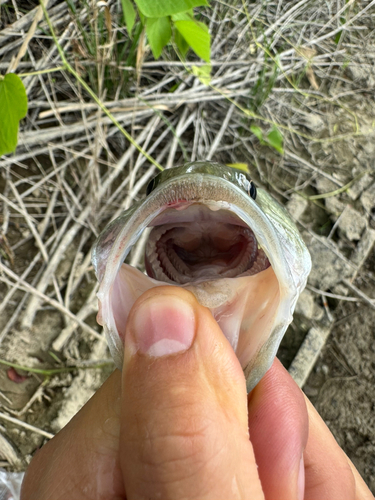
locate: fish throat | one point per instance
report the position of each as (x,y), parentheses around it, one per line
(202,244)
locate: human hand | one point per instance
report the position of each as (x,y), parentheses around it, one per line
(177,426)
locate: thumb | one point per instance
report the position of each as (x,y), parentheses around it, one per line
(184,427)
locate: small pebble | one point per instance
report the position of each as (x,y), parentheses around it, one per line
(325,369)
(352,223)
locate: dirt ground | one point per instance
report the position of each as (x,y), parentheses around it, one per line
(342,384)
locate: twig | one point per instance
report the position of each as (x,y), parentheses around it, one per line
(28,220)
(89,308)
(357,291)
(49,372)
(69,235)
(25,286)
(26,426)
(38,16)
(332,295)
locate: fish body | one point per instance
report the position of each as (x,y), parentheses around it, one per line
(211,231)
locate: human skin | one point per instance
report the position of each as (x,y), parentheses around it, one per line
(181,426)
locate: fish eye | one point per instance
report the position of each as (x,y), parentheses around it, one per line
(150,186)
(252,190)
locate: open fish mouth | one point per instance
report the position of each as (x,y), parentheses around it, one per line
(211,232)
(195,242)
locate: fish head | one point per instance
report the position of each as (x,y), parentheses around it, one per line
(211,231)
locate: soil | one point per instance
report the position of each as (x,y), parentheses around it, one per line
(342,384)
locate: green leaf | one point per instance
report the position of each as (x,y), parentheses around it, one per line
(181,43)
(275,139)
(240,166)
(162,8)
(257,131)
(159,32)
(197,36)
(142,18)
(13,107)
(184,16)
(337,37)
(346,63)
(129,14)
(203,73)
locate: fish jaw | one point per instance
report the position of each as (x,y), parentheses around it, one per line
(273,292)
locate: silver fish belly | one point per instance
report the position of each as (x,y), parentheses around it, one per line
(212,232)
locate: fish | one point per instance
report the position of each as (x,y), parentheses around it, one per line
(212,231)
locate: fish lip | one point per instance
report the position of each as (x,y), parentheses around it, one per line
(203,188)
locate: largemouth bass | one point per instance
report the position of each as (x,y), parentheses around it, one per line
(214,233)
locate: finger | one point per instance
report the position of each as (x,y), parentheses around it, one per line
(82,461)
(184,429)
(329,473)
(278,425)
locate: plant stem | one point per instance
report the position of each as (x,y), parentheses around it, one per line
(42,72)
(339,190)
(92,93)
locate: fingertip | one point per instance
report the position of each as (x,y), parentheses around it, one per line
(163,324)
(328,471)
